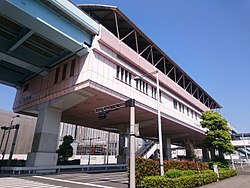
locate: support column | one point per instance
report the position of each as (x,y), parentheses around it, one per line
(167,152)
(45,139)
(189,150)
(123,155)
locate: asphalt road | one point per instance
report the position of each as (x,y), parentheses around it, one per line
(74,180)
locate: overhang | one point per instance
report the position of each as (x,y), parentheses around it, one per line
(37,35)
(126,31)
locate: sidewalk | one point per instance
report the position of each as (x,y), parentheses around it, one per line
(242,180)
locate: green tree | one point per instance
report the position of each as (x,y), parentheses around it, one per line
(218,136)
(65,150)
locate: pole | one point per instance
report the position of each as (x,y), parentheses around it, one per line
(159,123)
(90,149)
(108,148)
(13,144)
(132,147)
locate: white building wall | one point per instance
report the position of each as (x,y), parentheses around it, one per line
(101,66)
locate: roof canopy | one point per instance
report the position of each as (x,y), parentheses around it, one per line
(117,23)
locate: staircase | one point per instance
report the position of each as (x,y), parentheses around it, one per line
(147,149)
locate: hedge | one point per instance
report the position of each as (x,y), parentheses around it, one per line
(191,181)
(223,174)
(149,167)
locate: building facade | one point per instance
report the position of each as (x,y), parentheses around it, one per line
(104,73)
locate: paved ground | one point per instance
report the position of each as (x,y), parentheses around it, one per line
(242,180)
(103,180)
(75,180)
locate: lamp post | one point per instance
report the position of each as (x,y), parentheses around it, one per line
(158,114)
(90,140)
(102,114)
(7,140)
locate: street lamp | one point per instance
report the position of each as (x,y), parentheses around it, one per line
(90,140)
(159,115)
(102,113)
(4,128)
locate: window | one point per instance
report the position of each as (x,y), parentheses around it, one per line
(129,78)
(175,104)
(57,75)
(126,76)
(153,90)
(64,71)
(26,87)
(72,68)
(117,71)
(188,111)
(180,107)
(123,75)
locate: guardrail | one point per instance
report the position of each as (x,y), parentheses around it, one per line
(64,168)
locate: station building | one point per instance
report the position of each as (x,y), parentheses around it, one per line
(74,73)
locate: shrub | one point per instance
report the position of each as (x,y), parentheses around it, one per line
(149,167)
(14,162)
(189,172)
(223,174)
(172,173)
(220,162)
(71,162)
(191,181)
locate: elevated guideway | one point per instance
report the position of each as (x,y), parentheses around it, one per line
(37,35)
(240,140)
(241,143)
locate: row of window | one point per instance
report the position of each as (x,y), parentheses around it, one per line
(141,85)
(123,75)
(64,71)
(185,110)
(126,77)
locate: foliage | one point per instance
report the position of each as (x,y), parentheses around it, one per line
(70,162)
(223,174)
(220,162)
(149,167)
(14,162)
(172,173)
(218,136)
(191,181)
(65,150)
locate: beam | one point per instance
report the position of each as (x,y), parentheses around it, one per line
(19,63)
(20,41)
(42,20)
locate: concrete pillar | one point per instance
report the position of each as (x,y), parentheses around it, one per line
(45,140)
(205,154)
(123,155)
(189,150)
(167,152)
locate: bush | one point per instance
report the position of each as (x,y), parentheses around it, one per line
(223,174)
(72,162)
(14,162)
(191,181)
(220,162)
(149,167)
(172,173)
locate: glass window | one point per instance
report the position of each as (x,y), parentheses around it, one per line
(56,75)
(117,71)
(175,104)
(64,71)
(72,68)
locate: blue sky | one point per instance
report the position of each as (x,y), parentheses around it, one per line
(208,39)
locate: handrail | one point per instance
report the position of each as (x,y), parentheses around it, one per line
(59,168)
